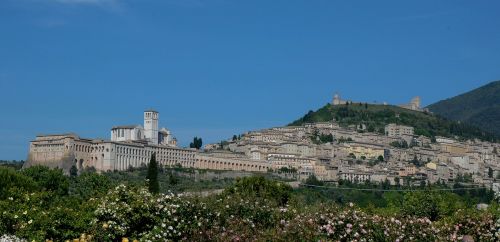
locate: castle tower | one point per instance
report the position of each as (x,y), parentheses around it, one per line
(151,126)
(336,99)
(415,103)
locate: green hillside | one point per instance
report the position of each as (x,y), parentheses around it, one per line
(479,107)
(375,117)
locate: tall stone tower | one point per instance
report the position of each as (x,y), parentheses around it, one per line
(151,126)
(415,103)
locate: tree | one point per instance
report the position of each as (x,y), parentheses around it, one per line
(380,158)
(52,180)
(152,176)
(235,137)
(258,187)
(396,180)
(197,143)
(172,179)
(313,180)
(495,150)
(73,172)
(490,172)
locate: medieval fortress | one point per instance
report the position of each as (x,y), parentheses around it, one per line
(413,105)
(351,153)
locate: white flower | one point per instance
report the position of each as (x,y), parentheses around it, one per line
(170,227)
(31,221)
(15,216)
(25,212)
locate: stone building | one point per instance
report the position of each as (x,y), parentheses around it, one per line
(394,130)
(130,146)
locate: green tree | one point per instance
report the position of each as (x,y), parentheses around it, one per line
(490,172)
(10,179)
(89,184)
(397,181)
(152,176)
(313,180)
(172,179)
(260,187)
(73,172)
(235,137)
(197,143)
(52,180)
(380,158)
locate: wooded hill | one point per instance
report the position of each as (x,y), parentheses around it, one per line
(375,117)
(479,107)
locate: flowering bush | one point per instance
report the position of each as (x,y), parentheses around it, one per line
(136,213)
(10,238)
(38,217)
(252,210)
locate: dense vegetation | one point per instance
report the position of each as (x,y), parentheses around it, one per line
(375,117)
(38,203)
(480,107)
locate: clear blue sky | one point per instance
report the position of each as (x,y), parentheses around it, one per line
(220,67)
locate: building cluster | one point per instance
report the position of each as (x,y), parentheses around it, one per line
(363,156)
(349,154)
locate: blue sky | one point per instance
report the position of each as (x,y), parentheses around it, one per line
(213,68)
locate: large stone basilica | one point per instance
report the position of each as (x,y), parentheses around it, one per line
(129,146)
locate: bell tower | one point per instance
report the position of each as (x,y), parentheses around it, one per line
(151,126)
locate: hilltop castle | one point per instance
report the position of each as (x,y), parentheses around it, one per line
(413,105)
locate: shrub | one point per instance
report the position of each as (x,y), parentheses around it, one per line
(258,186)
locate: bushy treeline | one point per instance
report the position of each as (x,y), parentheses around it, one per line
(375,117)
(39,203)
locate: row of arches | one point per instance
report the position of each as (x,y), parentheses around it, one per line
(230,165)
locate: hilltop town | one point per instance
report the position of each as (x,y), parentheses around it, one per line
(328,150)
(354,153)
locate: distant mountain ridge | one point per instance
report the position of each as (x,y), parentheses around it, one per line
(479,107)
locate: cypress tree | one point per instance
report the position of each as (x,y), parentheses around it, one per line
(153,184)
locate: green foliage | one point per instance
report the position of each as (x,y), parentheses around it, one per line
(318,138)
(48,179)
(432,205)
(172,179)
(89,185)
(258,186)
(376,117)
(251,209)
(197,143)
(16,165)
(402,144)
(11,182)
(73,171)
(313,180)
(152,177)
